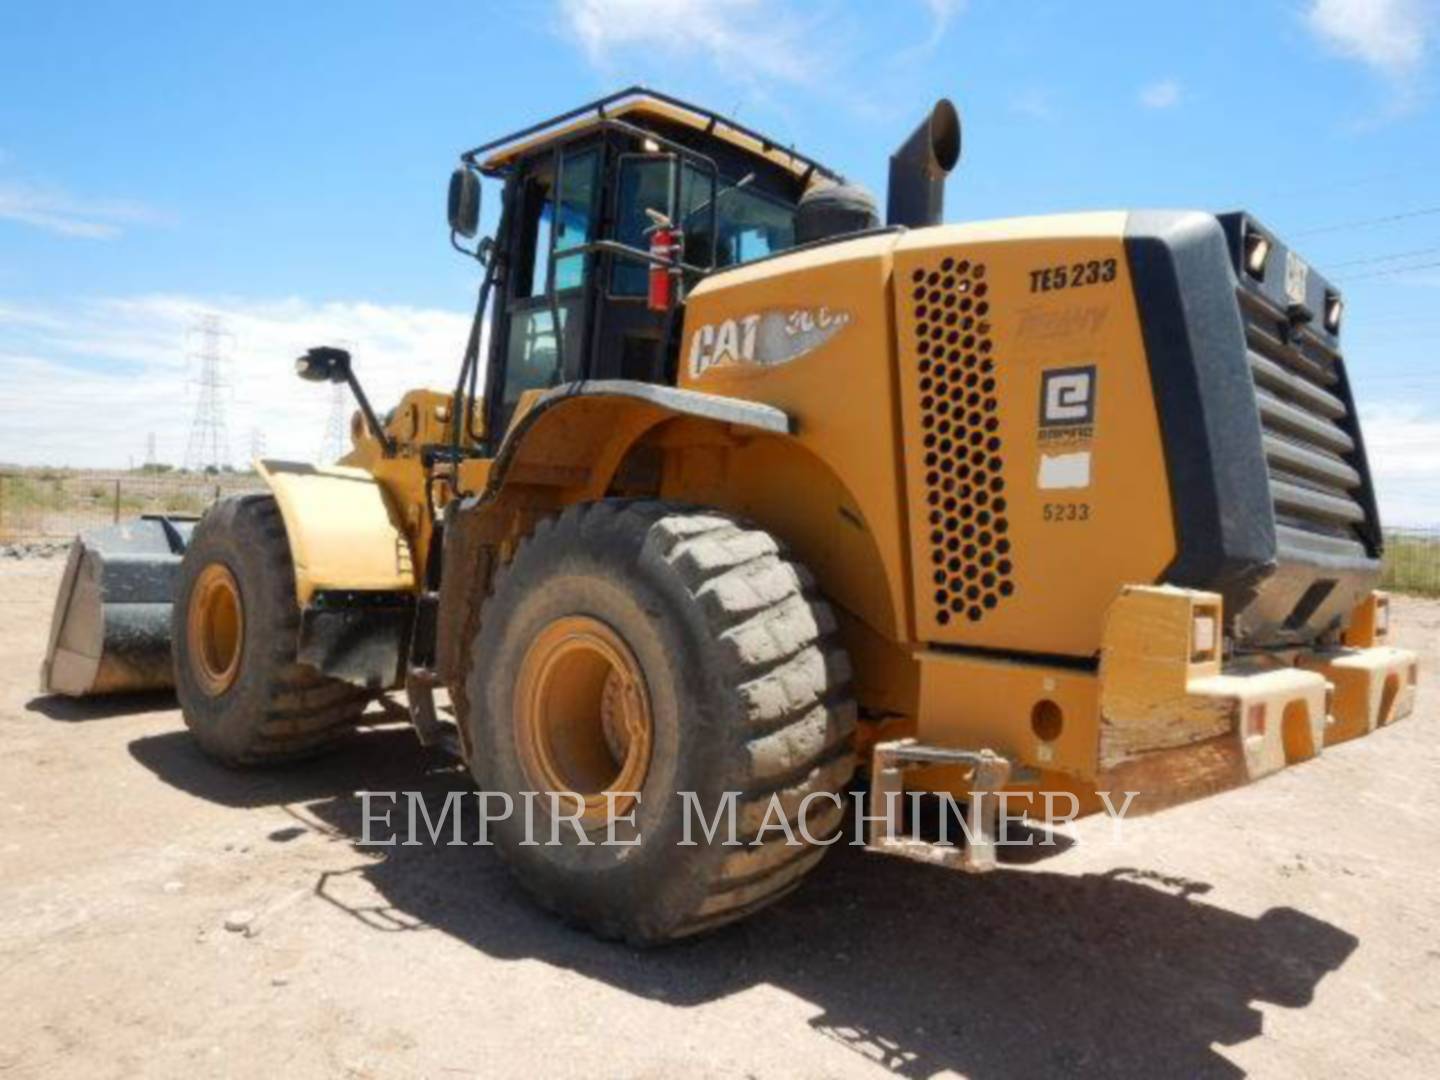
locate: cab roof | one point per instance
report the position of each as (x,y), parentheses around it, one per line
(635,105)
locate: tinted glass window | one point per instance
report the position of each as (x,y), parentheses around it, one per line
(753,225)
(578,188)
(532,361)
(644,184)
(749,224)
(576,214)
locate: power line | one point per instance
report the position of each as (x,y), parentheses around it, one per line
(1367,222)
(1391,271)
(1384,258)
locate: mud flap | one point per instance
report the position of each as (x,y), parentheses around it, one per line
(110,632)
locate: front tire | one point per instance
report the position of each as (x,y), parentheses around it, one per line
(678,650)
(236,629)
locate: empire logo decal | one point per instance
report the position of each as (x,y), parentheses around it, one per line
(1067,398)
(1067,426)
(767,339)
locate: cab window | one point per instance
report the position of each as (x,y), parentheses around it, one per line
(746,223)
(575,211)
(563,219)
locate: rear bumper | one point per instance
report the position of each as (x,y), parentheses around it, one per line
(1371,688)
(1161,721)
(1163,715)
(1175,726)
(1277,718)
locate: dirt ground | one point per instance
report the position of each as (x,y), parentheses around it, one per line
(1292,928)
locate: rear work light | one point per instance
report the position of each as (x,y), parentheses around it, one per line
(1257,253)
(1334,312)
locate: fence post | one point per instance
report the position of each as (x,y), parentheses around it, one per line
(2,504)
(217,493)
(117,500)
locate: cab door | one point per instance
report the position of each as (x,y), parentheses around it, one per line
(631,338)
(555,208)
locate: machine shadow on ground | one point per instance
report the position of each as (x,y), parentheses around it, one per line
(101,707)
(1022,972)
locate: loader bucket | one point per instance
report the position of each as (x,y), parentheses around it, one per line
(111,629)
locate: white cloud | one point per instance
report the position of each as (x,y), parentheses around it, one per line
(112,371)
(58,212)
(740,37)
(1034,102)
(942,13)
(1162,94)
(1390,36)
(1402,441)
(758,45)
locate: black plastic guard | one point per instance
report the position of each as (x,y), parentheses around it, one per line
(1210,425)
(361,638)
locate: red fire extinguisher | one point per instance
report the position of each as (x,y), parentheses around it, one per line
(666,242)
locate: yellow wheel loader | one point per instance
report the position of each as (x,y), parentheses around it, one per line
(761,492)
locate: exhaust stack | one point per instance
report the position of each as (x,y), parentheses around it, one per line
(918,169)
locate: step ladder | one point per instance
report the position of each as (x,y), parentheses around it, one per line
(990,772)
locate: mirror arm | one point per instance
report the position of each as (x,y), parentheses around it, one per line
(493,273)
(483,248)
(469,377)
(387,444)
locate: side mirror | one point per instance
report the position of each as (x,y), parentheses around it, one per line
(463,204)
(324,364)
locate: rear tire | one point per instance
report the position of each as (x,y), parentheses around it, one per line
(244,697)
(748,691)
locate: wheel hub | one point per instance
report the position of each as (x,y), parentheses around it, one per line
(215,626)
(583,720)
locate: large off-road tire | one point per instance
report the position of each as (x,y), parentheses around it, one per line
(235,628)
(676,650)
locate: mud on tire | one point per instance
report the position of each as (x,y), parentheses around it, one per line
(275,709)
(749,691)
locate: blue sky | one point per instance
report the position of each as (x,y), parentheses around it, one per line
(285,164)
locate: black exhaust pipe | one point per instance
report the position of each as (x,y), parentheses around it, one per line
(918,169)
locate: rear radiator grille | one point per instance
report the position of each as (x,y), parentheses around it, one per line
(970,557)
(1307,427)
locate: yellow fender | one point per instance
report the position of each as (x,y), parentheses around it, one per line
(344,532)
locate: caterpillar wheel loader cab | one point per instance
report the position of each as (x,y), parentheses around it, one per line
(760,492)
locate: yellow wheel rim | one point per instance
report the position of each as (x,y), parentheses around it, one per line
(582,715)
(215,625)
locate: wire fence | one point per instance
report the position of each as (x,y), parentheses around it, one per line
(1412,561)
(55,504)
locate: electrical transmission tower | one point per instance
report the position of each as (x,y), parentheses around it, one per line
(333,447)
(336,442)
(257,444)
(209,445)
(150,458)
